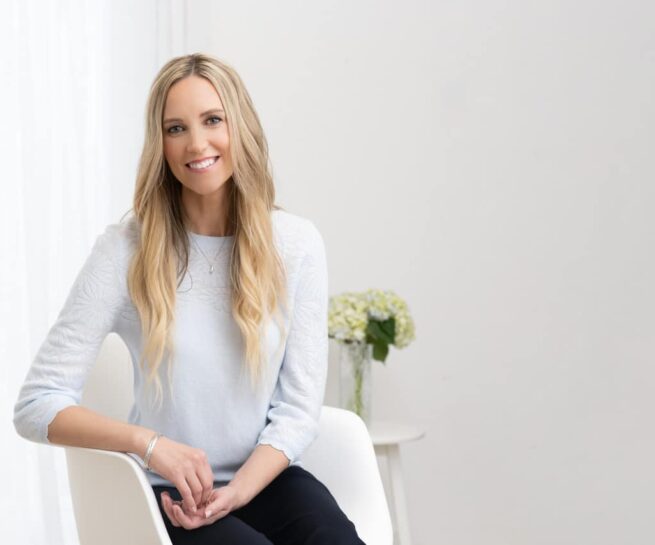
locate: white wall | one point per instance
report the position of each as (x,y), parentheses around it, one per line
(492,163)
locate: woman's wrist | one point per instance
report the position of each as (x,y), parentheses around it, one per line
(240,496)
(140,440)
(151,447)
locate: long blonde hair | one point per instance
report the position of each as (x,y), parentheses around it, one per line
(160,260)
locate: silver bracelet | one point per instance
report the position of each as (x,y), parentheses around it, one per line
(151,446)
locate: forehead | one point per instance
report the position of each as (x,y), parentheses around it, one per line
(191,95)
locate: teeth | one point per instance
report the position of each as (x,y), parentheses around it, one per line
(203,164)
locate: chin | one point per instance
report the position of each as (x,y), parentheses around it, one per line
(204,188)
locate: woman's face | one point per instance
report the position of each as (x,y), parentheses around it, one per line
(196,139)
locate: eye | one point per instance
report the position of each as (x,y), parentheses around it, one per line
(214,120)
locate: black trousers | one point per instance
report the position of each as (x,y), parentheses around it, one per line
(294,509)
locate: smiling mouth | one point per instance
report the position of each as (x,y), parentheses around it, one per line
(204,164)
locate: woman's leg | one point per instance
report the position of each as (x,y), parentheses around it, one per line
(297,509)
(228,530)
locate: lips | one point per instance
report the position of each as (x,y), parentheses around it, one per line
(204,163)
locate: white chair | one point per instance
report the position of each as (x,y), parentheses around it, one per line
(114,502)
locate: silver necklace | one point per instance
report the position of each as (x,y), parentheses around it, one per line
(210,263)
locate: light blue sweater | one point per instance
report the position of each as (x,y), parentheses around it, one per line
(214,408)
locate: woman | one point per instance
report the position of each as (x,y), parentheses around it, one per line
(229,291)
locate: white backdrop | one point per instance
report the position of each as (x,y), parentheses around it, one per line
(489,161)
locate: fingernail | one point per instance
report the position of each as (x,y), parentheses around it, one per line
(208,513)
(193,508)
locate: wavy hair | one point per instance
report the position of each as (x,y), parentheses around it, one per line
(160,260)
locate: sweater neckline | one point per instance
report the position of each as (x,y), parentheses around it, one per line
(198,236)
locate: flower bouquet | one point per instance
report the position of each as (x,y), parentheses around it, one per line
(365,324)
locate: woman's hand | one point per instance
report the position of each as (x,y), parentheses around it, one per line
(222,501)
(187,468)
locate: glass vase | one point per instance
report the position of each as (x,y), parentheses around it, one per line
(355,378)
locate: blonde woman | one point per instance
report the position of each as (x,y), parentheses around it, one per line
(220,296)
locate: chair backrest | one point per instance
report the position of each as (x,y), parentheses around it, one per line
(342,457)
(109,388)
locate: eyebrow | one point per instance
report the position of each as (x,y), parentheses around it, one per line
(212,111)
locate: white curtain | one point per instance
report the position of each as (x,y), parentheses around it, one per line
(60,164)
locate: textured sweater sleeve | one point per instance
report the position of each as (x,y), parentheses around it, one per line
(295,407)
(58,373)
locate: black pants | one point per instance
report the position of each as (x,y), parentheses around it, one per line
(294,509)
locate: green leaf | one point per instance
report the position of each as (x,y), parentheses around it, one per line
(381,331)
(380,351)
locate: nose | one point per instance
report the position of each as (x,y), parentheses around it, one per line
(197,141)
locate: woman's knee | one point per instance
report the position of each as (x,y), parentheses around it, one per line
(330,529)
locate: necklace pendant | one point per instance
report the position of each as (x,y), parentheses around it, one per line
(211,269)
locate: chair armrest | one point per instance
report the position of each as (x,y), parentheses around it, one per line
(113,499)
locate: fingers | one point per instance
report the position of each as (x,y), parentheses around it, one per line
(187,495)
(188,469)
(196,491)
(207,480)
(218,506)
(201,481)
(189,522)
(177,516)
(182,517)
(196,484)
(167,504)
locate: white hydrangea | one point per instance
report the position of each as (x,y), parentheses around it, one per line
(350,312)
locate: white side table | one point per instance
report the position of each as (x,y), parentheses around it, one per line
(387,436)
